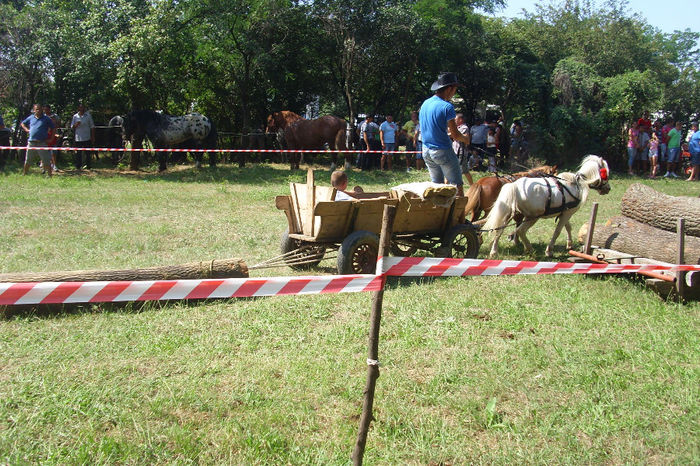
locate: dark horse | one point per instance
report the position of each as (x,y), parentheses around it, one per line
(310,134)
(191,131)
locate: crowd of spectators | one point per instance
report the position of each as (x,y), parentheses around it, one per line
(657,147)
(43,128)
(489,146)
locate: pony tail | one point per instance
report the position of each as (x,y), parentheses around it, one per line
(473,194)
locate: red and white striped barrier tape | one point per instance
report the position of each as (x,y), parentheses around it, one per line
(440,267)
(150,290)
(121,149)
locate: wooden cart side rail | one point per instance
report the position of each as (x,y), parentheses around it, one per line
(285,203)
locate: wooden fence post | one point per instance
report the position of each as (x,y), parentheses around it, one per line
(680,276)
(373,346)
(591,226)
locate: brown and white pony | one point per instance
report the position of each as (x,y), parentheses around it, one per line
(484,192)
(553,196)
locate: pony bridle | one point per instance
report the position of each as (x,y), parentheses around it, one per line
(602,179)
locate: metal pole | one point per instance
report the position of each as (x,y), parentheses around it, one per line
(373,346)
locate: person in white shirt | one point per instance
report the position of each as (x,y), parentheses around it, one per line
(339,180)
(84,136)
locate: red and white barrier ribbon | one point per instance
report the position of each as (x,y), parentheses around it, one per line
(150,290)
(283,151)
(440,267)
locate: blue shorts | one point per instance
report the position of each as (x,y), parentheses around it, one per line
(419,148)
(443,165)
(695,158)
(673,154)
(390,146)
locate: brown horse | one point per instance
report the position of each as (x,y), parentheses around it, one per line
(277,121)
(484,192)
(303,134)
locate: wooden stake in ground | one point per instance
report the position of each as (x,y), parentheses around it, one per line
(373,347)
(226,268)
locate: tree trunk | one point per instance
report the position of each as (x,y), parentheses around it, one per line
(646,205)
(632,237)
(227,268)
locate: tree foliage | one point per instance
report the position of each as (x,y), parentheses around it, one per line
(575,72)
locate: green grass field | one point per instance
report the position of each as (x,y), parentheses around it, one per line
(543,369)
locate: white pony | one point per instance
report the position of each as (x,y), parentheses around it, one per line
(559,196)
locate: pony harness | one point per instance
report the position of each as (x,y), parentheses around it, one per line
(548,209)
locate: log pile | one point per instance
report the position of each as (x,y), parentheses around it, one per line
(646,205)
(646,230)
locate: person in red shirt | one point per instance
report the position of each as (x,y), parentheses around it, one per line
(644,122)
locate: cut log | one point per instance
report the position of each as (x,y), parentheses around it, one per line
(226,268)
(646,205)
(629,236)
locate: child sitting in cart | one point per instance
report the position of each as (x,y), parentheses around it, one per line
(339,180)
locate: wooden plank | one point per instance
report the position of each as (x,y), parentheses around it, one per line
(611,254)
(296,204)
(331,219)
(285,203)
(414,215)
(369,214)
(325,193)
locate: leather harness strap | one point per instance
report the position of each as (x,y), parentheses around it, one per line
(548,209)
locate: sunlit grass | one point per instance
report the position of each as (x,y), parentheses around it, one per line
(545,369)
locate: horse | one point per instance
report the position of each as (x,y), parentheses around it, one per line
(302,134)
(113,137)
(553,196)
(278,121)
(484,192)
(191,131)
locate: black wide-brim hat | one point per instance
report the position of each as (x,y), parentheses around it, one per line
(445,80)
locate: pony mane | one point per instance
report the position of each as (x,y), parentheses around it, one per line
(567,176)
(590,168)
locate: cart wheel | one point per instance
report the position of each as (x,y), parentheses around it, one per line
(358,253)
(316,252)
(461,241)
(401,249)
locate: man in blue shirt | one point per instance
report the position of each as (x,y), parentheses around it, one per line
(387,134)
(437,116)
(37,125)
(694,149)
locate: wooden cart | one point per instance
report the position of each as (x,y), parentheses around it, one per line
(317,225)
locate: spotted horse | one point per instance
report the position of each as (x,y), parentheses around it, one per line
(192,131)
